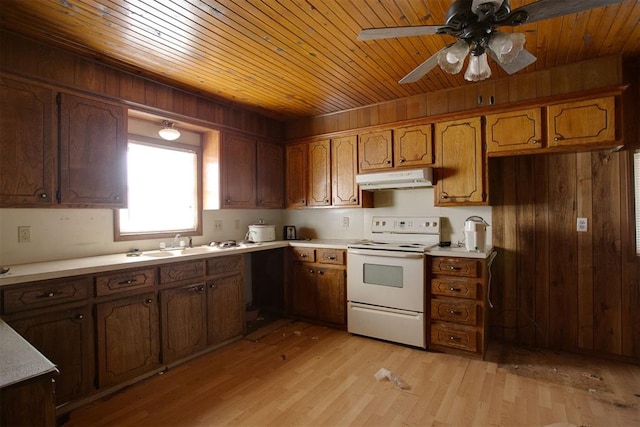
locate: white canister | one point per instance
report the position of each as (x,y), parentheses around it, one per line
(475,234)
(261,233)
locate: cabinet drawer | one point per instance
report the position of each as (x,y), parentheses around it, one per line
(455,266)
(304,254)
(453,310)
(331,256)
(455,287)
(50,292)
(226,264)
(124,281)
(454,336)
(182,271)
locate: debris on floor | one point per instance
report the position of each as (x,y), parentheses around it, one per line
(397,381)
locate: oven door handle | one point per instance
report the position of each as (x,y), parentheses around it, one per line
(386,254)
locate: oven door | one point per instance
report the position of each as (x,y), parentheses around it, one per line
(386,278)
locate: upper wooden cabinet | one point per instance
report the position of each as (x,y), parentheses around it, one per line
(344,166)
(514,130)
(93,152)
(319,175)
(413,146)
(80,162)
(582,122)
(460,163)
(296,175)
(28,144)
(409,146)
(250,172)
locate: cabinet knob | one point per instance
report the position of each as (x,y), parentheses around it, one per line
(354,200)
(43,195)
(117,198)
(311,271)
(452,338)
(535,141)
(453,311)
(212,285)
(49,294)
(402,160)
(332,258)
(321,273)
(228,200)
(128,281)
(558,138)
(80,316)
(302,201)
(388,162)
(452,289)
(149,301)
(453,267)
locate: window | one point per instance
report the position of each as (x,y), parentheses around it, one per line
(636,186)
(163,190)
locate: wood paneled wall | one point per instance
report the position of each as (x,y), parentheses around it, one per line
(28,58)
(554,287)
(585,75)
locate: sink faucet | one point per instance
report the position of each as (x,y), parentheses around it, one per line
(175,242)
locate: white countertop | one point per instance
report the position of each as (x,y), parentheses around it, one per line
(23,273)
(20,360)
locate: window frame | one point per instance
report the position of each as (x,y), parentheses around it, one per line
(197,231)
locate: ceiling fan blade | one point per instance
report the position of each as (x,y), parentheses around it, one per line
(422,69)
(393,32)
(545,9)
(523,60)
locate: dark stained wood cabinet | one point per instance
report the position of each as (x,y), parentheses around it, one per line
(267,280)
(251,172)
(183,314)
(270,175)
(127,338)
(296,159)
(65,336)
(318,284)
(28,144)
(460,163)
(225,298)
(319,173)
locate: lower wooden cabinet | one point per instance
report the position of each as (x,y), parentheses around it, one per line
(318,284)
(64,336)
(225,308)
(183,314)
(127,338)
(459,317)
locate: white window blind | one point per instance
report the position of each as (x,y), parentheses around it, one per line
(636,174)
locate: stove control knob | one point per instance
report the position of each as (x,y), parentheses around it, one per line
(426,224)
(435,224)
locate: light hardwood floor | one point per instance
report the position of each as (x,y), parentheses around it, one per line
(297,374)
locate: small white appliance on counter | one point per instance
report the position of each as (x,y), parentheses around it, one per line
(261,233)
(386,294)
(475,234)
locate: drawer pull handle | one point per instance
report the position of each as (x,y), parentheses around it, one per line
(452,338)
(128,281)
(80,316)
(212,285)
(50,294)
(311,271)
(453,267)
(149,301)
(454,312)
(303,255)
(452,289)
(332,258)
(321,273)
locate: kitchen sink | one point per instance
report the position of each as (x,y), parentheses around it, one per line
(160,254)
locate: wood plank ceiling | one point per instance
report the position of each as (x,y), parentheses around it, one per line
(296,58)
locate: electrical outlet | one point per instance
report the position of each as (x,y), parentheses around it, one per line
(217,225)
(345,221)
(582,225)
(24,234)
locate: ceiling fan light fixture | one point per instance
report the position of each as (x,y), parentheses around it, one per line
(168,131)
(506,47)
(451,59)
(478,68)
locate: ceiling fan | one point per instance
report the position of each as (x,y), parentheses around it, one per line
(475,23)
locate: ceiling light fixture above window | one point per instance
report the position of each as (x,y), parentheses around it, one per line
(168,131)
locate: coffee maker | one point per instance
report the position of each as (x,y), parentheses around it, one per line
(475,234)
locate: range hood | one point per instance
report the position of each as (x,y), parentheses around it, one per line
(410,178)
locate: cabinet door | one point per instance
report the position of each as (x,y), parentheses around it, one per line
(515,130)
(375,151)
(319,191)
(93,152)
(582,122)
(238,171)
(344,166)
(413,146)
(183,314)
(270,175)
(225,305)
(296,171)
(66,338)
(304,290)
(460,163)
(128,343)
(27,145)
(331,301)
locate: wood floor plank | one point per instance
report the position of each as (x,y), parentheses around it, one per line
(298,374)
